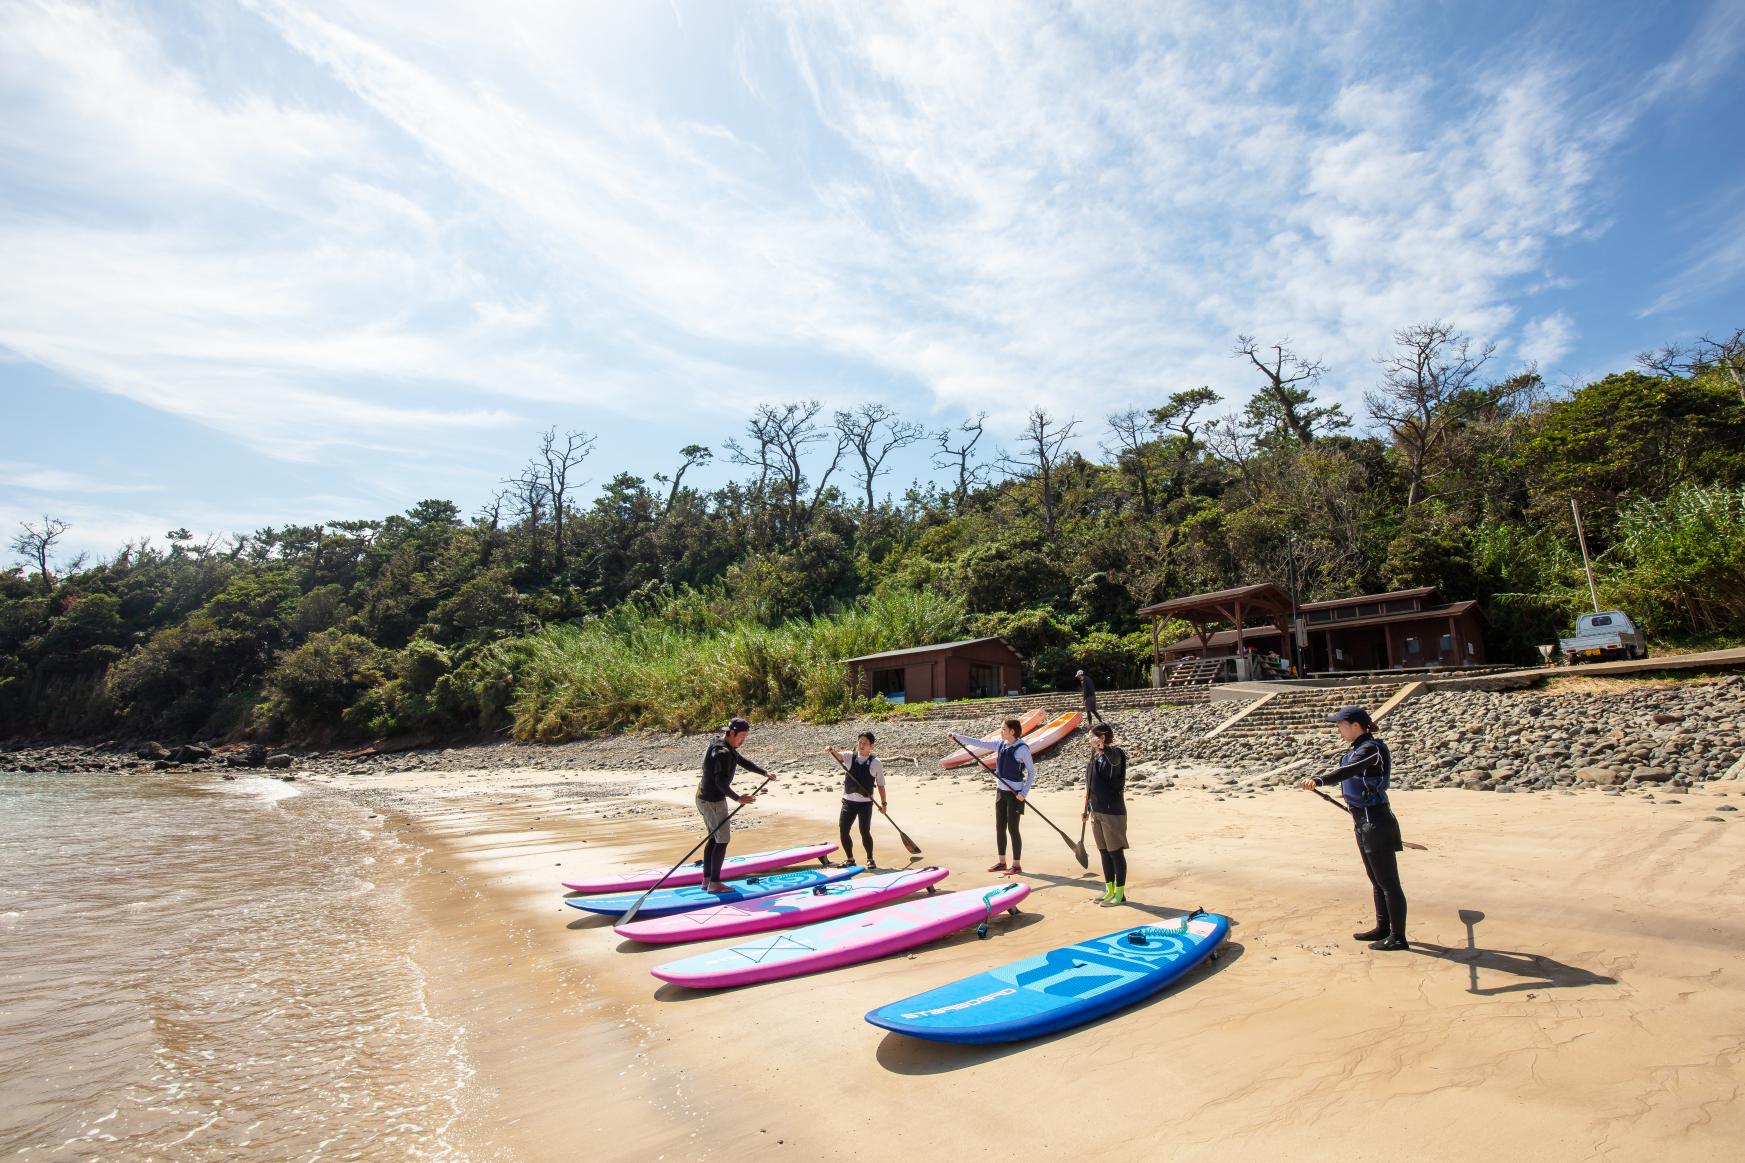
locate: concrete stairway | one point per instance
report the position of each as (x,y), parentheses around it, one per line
(1304,711)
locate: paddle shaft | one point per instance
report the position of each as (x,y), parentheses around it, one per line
(914,849)
(1347,811)
(1078,849)
(630,914)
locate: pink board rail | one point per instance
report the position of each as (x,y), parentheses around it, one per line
(784,911)
(734,866)
(843,941)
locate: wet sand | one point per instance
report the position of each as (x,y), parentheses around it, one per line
(1574,992)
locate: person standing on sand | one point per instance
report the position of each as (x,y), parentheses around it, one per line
(714,790)
(1362,775)
(1106,809)
(1014,774)
(863,773)
(1089,690)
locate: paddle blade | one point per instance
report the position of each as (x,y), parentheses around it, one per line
(909,845)
(1078,853)
(630,913)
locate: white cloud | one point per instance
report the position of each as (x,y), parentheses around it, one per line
(1547,339)
(1002,206)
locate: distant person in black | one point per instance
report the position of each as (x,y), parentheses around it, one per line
(1106,809)
(864,773)
(720,763)
(1089,689)
(1362,775)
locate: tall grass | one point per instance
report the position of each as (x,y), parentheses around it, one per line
(638,669)
(1679,562)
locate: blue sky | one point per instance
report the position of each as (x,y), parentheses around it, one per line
(269,261)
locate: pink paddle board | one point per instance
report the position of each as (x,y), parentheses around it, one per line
(843,941)
(783,911)
(692,873)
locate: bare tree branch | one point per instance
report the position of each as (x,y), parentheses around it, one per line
(970,472)
(37,543)
(874,432)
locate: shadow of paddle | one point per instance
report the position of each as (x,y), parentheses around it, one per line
(1542,972)
(918,1057)
(592,921)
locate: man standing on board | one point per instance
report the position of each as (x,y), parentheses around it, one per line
(863,774)
(720,762)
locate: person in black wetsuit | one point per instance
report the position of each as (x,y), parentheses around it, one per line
(720,762)
(1106,809)
(1362,775)
(864,774)
(1089,690)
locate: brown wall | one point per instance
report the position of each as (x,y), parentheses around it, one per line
(944,674)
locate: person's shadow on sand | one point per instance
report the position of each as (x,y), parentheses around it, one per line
(1543,972)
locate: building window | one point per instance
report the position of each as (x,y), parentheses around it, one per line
(1401,606)
(889,683)
(1412,646)
(1469,650)
(1320,616)
(984,681)
(1447,643)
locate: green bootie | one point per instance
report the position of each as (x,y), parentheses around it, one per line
(1108,891)
(1117,896)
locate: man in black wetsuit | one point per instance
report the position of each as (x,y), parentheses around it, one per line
(720,762)
(1089,690)
(1362,775)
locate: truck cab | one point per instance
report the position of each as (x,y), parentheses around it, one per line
(1606,634)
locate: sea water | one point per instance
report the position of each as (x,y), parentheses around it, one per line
(193,968)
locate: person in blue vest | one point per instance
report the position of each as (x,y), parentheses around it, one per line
(863,775)
(1014,773)
(1362,774)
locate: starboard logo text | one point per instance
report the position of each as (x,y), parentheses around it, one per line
(962,1005)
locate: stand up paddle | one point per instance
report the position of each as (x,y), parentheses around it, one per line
(1347,811)
(1077,848)
(913,848)
(630,913)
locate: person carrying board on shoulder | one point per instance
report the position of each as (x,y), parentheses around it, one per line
(862,775)
(1106,809)
(1014,774)
(720,762)
(1362,774)
(1089,690)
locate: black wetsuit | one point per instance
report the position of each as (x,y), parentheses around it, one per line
(720,763)
(1090,692)
(1105,792)
(1362,775)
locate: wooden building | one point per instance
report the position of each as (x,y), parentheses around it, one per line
(1402,630)
(975,669)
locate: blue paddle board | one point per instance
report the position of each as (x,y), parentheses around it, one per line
(1058,989)
(677,900)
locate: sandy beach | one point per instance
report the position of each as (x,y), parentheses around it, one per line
(1574,990)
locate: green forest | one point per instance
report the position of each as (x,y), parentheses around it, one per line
(657,604)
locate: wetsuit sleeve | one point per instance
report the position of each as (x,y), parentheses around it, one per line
(715,787)
(748,764)
(1362,760)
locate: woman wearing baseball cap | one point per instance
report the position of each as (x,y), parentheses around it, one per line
(714,790)
(1362,775)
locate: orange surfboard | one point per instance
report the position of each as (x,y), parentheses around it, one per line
(1027,723)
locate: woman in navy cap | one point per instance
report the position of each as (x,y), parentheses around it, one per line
(1362,776)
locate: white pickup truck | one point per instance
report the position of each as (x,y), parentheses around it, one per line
(1607,634)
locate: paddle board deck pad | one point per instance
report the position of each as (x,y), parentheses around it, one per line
(783,911)
(692,873)
(676,900)
(1027,723)
(843,941)
(1058,989)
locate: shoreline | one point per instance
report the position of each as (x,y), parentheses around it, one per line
(1590,1015)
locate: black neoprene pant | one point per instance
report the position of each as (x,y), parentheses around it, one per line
(1114,865)
(713,854)
(1091,711)
(1007,811)
(852,811)
(1390,899)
